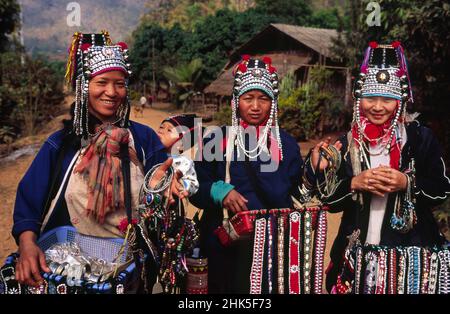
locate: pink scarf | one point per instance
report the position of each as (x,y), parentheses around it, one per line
(101,167)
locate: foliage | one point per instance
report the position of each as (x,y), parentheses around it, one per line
(149,38)
(184,77)
(423,29)
(311,109)
(223,116)
(28,94)
(213,36)
(286,11)
(9,20)
(287,85)
(442,216)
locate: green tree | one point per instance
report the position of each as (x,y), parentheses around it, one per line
(151,38)
(218,35)
(286,11)
(29,93)
(424,31)
(312,109)
(185,78)
(9,21)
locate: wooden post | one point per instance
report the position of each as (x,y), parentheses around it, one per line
(348,82)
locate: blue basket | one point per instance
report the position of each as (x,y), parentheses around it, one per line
(102,248)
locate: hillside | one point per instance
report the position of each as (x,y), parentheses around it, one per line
(45,22)
(46,31)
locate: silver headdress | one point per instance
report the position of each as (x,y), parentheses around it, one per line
(91,55)
(253,74)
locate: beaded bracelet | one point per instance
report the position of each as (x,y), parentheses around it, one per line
(281,222)
(392,284)
(381,273)
(294,250)
(258,256)
(413,270)
(401,272)
(371,273)
(319,250)
(425,270)
(358,267)
(444,278)
(307,252)
(433,273)
(269,254)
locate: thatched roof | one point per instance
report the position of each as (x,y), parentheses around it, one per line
(298,41)
(223,85)
(318,39)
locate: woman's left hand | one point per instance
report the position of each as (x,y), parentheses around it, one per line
(389,178)
(176,188)
(316,152)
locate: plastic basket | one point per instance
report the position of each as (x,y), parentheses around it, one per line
(103,248)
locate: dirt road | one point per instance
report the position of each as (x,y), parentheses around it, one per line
(12,172)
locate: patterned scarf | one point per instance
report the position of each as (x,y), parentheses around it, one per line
(380,135)
(101,167)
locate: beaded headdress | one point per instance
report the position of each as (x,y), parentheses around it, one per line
(383,73)
(91,55)
(254,74)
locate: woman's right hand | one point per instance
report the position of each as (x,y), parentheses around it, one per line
(31,260)
(235,202)
(367,181)
(316,152)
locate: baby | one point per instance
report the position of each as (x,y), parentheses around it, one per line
(177,134)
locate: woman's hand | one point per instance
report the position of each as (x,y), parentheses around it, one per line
(379,181)
(31,261)
(316,152)
(391,178)
(176,188)
(235,202)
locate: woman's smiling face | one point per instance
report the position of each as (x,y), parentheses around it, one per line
(378,109)
(107,91)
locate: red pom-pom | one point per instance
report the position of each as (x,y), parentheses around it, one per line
(267,60)
(123,45)
(373,44)
(396,44)
(245,57)
(272,69)
(85,47)
(400,72)
(365,69)
(242,67)
(123,224)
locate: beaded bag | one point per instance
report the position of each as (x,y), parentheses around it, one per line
(375,269)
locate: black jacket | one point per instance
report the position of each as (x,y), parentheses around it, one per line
(432,188)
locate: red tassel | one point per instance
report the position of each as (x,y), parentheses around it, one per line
(400,72)
(242,67)
(123,45)
(85,46)
(245,57)
(396,44)
(267,60)
(373,44)
(272,69)
(365,69)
